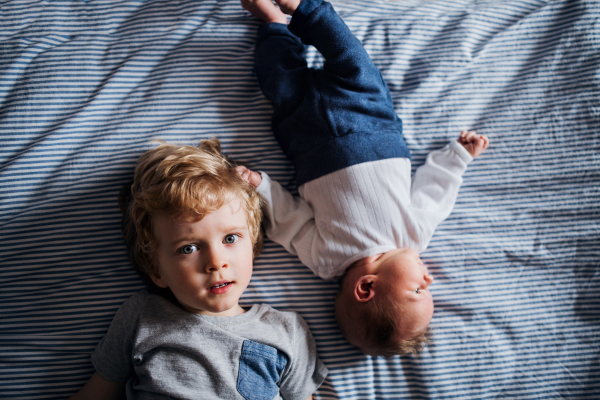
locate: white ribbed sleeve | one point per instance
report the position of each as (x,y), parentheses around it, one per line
(363,210)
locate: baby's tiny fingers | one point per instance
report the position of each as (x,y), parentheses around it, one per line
(485,140)
(243,172)
(462,138)
(470,136)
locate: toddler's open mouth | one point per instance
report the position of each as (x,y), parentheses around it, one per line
(220,287)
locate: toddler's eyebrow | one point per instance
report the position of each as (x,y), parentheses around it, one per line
(183,239)
(224,229)
(235,228)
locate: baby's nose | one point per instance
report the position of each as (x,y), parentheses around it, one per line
(428,278)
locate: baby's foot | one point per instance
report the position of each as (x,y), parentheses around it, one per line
(265,10)
(288,6)
(474,143)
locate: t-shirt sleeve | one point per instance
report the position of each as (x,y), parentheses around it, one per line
(112,357)
(304,372)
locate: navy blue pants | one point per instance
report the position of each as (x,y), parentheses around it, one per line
(329,118)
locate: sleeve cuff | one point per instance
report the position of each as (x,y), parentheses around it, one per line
(461,151)
(264,183)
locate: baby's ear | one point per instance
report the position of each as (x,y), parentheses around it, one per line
(158,281)
(363,290)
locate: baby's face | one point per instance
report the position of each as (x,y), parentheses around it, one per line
(206,263)
(405,278)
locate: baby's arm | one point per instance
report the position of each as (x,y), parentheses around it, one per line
(436,183)
(289,220)
(474,143)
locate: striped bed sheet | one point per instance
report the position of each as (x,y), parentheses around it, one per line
(85,86)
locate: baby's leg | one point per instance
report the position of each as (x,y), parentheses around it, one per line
(347,113)
(265,10)
(280,67)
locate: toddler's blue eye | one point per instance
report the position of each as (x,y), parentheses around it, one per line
(188,249)
(231,239)
(417,290)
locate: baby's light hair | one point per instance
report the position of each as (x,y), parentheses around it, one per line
(376,323)
(176,180)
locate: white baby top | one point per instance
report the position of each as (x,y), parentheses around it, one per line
(364,210)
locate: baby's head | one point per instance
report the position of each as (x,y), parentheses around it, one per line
(384,306)
(191,225)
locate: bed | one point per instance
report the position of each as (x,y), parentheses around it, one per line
(85,86)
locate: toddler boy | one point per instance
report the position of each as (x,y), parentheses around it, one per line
(359,215)
(192,229)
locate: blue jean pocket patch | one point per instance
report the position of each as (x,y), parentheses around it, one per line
(261,367)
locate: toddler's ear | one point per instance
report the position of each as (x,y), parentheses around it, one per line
(158,281)
(363,290)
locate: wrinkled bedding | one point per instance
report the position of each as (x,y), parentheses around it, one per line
(85,86)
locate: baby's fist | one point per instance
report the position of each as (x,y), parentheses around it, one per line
(251,177)
(475,144)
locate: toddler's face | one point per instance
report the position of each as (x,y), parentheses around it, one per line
(207,264)
(406,279)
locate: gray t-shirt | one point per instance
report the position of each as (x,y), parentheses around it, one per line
(163,351)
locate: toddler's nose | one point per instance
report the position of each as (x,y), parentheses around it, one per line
(214,260)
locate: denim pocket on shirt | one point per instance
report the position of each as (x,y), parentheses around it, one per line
(261,367)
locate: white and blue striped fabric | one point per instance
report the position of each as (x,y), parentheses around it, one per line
(86,85)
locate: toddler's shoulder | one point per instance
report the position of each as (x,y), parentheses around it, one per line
(288,320)
(143,303)
(140,299)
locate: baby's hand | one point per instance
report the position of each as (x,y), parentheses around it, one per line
(253,178)
(474,143)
